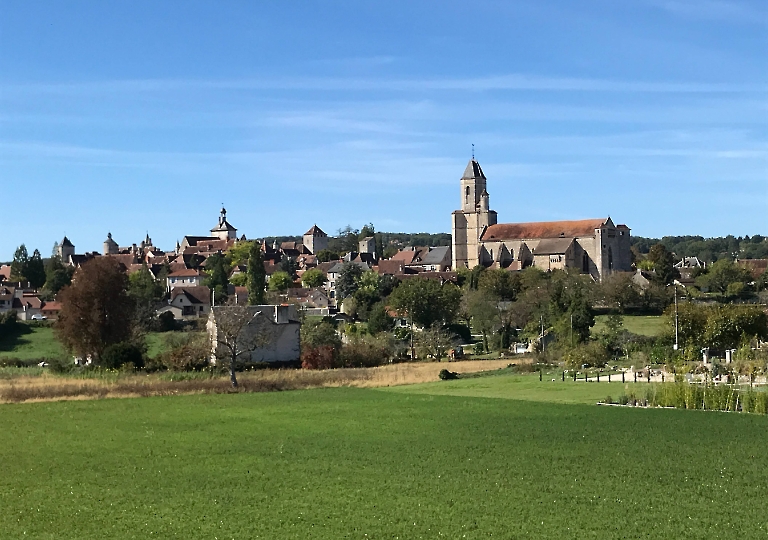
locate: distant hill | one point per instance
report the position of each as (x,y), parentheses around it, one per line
(708,249)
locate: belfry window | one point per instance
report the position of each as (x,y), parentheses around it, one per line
(466,196)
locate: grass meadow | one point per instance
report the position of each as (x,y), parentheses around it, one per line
(38,342)
(34,342)
(381,463)
(643,325)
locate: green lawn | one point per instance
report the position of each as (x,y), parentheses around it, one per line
(32,342)
(644,325)
(528,388)
(38,342)
(367,464)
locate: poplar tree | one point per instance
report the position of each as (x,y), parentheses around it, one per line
(257,276)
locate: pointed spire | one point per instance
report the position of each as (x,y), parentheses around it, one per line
(473,170)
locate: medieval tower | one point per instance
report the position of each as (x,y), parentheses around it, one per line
(475,215)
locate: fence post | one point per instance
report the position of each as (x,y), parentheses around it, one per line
(635,376)
(598,375)
(622,377)
(574,375)
(563,375)
(662,376)
(609,376)
(540,374)
(649,375)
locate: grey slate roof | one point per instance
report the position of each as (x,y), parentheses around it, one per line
(473,170)
(436,255)
(336,268)
(553,246)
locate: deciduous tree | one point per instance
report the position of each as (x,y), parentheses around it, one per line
(217,276)
(313,277)
(427,301)
(663,264)
(348,281)
(379,320)
(237,333)
(96,310)
(280,281)
(145,292)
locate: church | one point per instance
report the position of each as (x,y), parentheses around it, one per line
(593,246)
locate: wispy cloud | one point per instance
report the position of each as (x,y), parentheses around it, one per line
(511,82)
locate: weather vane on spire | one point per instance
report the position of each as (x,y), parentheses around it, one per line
(473,151)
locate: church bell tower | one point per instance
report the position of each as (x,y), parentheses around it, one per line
(475,215)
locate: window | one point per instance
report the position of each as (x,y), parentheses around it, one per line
(466,196)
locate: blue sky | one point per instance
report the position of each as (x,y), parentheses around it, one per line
(135,117)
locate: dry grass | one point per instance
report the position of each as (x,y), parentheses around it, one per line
(50,388)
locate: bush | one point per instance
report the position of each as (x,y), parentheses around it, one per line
(320,357)
(366,352)
(166,322)
(188,352)
(446,375)
(61,365)
(592,354)
(116,355)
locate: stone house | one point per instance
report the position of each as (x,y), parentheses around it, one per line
(188,302)
(184,278)
(276,327)
(333,274)
(7,295)
(50,310)
(27,306)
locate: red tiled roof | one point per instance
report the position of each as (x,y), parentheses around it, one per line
(125,260)
(391,267)
(186,272)
(52,306)
(542,229)
(315,231)
(405,256)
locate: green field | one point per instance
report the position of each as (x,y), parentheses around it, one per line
(528,388)
(644,325)
(31,343)
(367,463)
(38,342)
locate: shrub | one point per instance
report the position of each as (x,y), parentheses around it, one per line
(166,322)
(320,357)
(61,365)
(366,352)
(446,375)
(188,352)
(592,354)
(114,356)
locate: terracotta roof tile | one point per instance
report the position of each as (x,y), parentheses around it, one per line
(542,229)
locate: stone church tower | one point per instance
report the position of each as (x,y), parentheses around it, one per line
(475,215)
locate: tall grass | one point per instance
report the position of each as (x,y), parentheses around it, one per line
(712,397)
(95,384)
